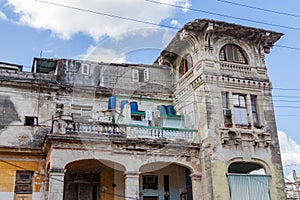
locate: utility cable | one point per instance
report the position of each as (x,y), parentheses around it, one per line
(262,9)
(227,16)
(171,27)
(105,14)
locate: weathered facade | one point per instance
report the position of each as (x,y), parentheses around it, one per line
(197,124)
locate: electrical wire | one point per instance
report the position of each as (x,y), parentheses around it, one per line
(227,16)
(262,9)
(171,27)
(105,14)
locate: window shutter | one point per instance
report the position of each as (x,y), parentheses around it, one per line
(135,75)
(146,75)
(85,69)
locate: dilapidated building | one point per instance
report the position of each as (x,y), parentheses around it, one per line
(197,124)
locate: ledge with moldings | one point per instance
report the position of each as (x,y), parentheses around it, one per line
(236,136)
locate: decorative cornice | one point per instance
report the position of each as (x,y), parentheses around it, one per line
(238,135)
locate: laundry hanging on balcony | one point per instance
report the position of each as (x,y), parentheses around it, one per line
(148,115)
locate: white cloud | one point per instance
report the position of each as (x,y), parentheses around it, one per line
(65,22)
(290,150)
(127,47)
(174,23)
(186,6)
(98,54)
(290,154)
(3,16)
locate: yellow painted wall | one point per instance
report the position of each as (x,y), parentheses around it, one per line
(8,170)
(220,182)
(106,182)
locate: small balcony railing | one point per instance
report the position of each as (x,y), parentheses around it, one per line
(164,132)
(227,67)
(69,127)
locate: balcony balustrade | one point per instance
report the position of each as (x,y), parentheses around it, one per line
(227,67)
(69,127)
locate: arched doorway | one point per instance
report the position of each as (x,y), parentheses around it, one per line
(82,180)
(93,180)
(165,181)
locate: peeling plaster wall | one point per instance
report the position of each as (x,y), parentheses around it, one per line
(16,104)
(8,173)
(203,39)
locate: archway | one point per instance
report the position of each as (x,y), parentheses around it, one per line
(93,180)
(167,181)
(248,180)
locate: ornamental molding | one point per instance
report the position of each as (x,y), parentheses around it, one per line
(237,136)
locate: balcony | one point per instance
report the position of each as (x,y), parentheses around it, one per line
(227,67)
(103,129)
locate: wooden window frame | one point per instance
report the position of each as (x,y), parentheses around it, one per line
(24,185)
(233,53)
(186,64)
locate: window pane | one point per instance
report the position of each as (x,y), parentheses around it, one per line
(242,101)
(224,100)
(232,53)
(235,100)
(141,75)
(182,67)
(253,103)
(229,53)
(235,54)
(240,116)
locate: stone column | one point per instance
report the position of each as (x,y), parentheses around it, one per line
(56,184)
(196,186)
(132,187)
(230,106)
(249,109)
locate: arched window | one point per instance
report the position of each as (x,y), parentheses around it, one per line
(246,168)
(186,64)
(248,180)
(232,53)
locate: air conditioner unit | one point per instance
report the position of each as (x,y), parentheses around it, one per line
(227,112)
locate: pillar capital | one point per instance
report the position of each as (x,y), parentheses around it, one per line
(132,173)
(196,176)
(57,171)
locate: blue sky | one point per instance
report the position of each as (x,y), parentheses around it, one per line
(36,28)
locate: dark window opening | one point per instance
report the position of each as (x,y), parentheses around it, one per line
(140,75)
(254,111)
(31,121)
(150,182)
(233,53)
(23,183)
(246,168)
(248,180)
(188,195)
(186,64)
(226,110)
(166,188)
(136,117)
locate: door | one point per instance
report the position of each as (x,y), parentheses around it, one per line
(81,186)
(150,198)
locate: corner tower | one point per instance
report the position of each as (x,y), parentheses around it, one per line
(223,89)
